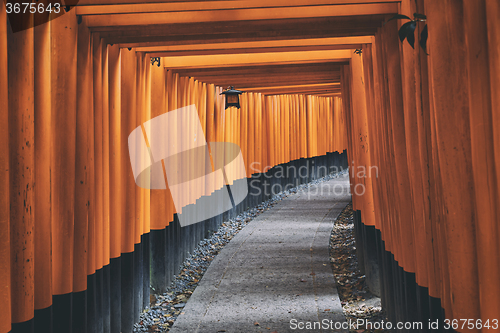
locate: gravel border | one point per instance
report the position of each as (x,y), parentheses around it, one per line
(356,299)
(166,307)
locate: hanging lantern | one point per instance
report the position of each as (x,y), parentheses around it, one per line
(232,97)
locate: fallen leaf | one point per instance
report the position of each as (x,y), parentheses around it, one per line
(256,324)
(327,310)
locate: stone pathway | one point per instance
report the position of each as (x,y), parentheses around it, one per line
(275,274)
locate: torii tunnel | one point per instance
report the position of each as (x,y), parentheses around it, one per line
(327,84)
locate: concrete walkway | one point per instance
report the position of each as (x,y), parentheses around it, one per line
(275,271)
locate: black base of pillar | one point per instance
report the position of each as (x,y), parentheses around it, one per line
(158,262)
(79,320)
(43,320)
(145,270)
(62,313)
(138,282)
(24,327)
(115,302)
(402,298)
(127,292)
(91,303)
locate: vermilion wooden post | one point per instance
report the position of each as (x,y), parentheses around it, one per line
(105,154)
(43,262)
(146,117)
(210,133)
(202,114)
(425,139)
(115,184)
(219,125)
(492,9)
(259,134)
(91,256)
(191,98)
(98,150)
(243,114)
(303,127)
(128,124)
(130,285)
(273,142)
(21,170)
(293,127)
(145,114)
(280,128)
(115,181)
(451,112)
(483,152)
(362,141)
(346,106)
(82,199)
(310,126)
(158,207)
(82,181)
(92,292)
(389,233)
(387,165)
(287,122)
(139,191)
(64,32)
(171,104)
(438,228)
(278,135)
(411,87)
(106,305)
(5,285)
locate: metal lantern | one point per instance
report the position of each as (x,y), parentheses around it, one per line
(232,97)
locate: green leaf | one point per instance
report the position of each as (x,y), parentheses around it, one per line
(398,16)
(423,38)
(420,16)
(406,29)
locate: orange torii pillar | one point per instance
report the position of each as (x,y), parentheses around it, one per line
(482,33)
(43,262)
(91,174)
(173,230)
(5,286)
(143,115)
(130,292)
(363,190)
(415,105)
(106,246)
(159,214)
(115,185)
(100,312)
(21,171)
(140,236)
(454,148)
(82,181)
(64,32)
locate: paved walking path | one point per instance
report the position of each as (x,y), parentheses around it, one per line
(274,271)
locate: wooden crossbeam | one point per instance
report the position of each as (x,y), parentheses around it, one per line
(224,60)
(102,7)
(226,15)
